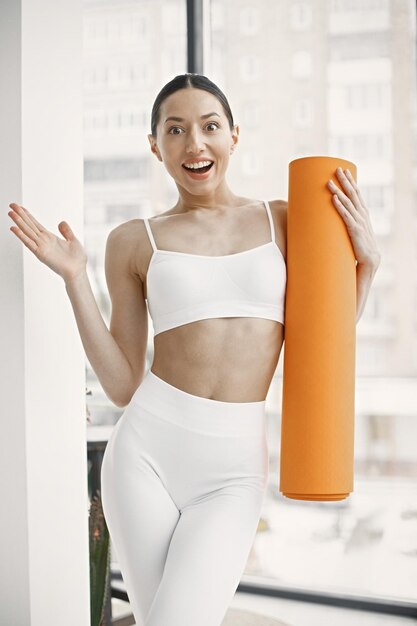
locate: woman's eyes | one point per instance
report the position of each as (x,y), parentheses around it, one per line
(177,127)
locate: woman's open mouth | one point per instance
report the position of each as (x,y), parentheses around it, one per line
(200,172)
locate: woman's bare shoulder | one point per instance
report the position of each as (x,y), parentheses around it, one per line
(128,232)
(133,234)
(132,240)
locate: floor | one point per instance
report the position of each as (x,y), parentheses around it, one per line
(300,613)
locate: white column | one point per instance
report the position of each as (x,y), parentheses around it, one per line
(44,570)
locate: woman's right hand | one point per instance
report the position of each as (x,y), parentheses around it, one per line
(66,257)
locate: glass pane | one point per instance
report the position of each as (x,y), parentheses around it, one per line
(337,77)
(130,50)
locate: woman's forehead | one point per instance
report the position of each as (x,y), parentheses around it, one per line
(190,103)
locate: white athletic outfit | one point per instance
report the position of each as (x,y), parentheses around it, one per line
(183,477)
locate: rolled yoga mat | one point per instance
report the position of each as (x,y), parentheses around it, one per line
(318,397)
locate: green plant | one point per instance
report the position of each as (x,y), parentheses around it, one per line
(99,560)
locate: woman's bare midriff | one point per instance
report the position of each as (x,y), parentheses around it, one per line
(231,359)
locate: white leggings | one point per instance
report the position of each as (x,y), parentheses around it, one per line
(183,482)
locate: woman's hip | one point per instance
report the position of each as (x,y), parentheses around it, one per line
(195,445)
(205,415)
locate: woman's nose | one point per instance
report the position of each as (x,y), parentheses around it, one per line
(195,142)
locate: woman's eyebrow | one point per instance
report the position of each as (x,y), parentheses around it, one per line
(180,119)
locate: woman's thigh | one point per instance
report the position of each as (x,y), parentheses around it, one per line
(206,558)
(140,515)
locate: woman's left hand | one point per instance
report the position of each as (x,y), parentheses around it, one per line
(353,211)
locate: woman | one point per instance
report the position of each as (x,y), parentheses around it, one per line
(186,466)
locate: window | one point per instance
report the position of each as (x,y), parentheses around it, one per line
(362,146)
(367,96)
(301,15)
(357,100)
(360,16)
(115,169)
(303,113)
(249,21)
(250,69)
(356,46)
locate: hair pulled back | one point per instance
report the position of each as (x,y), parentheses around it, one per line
(187,81)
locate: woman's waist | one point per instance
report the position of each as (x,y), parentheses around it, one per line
(160,400)
(227,380)
(230,360)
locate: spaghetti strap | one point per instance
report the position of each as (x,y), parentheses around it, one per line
(150,235)
(271,221)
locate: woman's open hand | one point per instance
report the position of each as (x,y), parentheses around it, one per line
(351,207)
(66,256)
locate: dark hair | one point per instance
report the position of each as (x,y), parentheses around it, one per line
(185,81)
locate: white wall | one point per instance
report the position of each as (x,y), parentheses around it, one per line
(44,576)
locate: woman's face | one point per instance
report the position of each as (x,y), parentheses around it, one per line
(200,133)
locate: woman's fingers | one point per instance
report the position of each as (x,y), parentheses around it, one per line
(63,256)
(27,228)
(23,222)
(35,225)
(355,187)
(29,243)
(66,230)
(349,185)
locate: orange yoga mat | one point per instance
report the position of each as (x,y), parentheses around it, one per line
(318,402)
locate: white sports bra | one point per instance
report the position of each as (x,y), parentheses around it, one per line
(184,288)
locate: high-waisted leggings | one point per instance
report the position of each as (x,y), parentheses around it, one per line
(183,481)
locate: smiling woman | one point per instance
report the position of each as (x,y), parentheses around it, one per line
(205,135)
(192,444)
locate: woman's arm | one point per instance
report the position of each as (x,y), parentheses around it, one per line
(118,355)
(365,273)
(104,354)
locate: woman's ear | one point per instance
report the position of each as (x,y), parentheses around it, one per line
(154,147)
(235,138)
